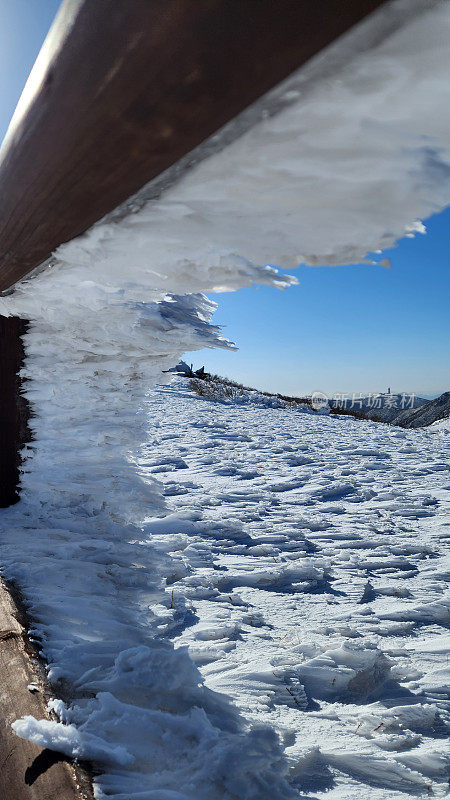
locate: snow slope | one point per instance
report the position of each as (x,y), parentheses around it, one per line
(435,410)
(441,426)
(306,570)
(317,594)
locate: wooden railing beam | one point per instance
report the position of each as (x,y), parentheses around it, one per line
(122,89)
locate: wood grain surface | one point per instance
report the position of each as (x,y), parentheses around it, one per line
(122,90)
(28,772)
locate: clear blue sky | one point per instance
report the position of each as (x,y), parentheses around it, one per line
(343,329)
(23,27)
(346,329)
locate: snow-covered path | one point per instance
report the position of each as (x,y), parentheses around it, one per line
(315,594)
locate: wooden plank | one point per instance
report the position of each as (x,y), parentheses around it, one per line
(28,772)
(122,90)
(14,411)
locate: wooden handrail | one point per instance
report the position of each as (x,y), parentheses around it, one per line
(27,771)
(122,89)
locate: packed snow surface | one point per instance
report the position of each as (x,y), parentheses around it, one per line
(250,606)
(296,587)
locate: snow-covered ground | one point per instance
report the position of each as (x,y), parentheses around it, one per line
(306,570)
(317,587)
(280,521)
(441,426)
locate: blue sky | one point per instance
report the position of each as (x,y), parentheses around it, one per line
(346,329)
(343,329)
(23,27)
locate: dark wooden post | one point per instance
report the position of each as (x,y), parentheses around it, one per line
(14,412)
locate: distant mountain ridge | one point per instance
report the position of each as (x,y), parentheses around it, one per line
(407,411)
(404,409)
(426,414)
(381,407)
